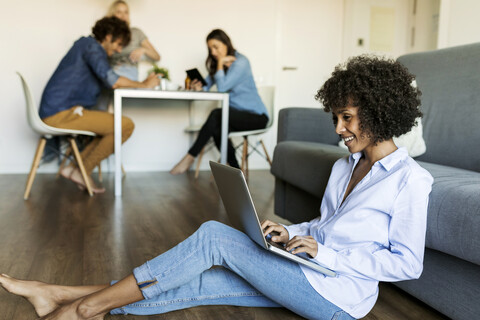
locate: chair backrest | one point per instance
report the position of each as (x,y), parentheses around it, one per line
(33,117)
(31,112)
(267,94)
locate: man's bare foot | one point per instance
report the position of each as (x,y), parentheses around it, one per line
(66,172)
(75,310)
(183,165)
(39,294)
(76,176)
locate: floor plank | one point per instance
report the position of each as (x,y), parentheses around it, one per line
(64,236)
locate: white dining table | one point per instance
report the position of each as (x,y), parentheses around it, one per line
(120,94)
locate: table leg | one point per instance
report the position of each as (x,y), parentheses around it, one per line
(223,143)
(117,102)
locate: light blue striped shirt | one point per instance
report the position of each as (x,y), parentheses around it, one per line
(239,83)
(376,234)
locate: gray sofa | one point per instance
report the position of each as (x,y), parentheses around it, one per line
(450,82)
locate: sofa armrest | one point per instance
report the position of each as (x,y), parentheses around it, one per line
(306,124)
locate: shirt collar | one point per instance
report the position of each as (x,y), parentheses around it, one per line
(387,162)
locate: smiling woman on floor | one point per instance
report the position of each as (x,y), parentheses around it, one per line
(371,228)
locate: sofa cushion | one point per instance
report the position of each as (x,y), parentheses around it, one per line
(306,124)
(450,103)
(449,284)
(453,223)
(306,165)
(294,204)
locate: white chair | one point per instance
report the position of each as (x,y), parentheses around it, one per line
(47,132)
(267,94)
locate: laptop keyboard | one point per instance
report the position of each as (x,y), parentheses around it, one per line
(301,255)
(277,245)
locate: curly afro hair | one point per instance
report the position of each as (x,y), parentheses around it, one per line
(388,104)
(112,25)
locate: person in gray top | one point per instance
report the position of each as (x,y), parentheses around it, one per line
(125,63)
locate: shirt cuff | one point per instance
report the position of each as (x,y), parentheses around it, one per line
(112,77)
(325,256)
(292,231)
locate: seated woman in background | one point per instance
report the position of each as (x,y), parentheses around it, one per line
(125,63)
(231,72)
(371,228)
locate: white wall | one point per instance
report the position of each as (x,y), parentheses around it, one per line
(37,34)
(459,23)
(359,24)
(425,22)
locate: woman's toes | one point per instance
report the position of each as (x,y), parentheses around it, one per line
(35,292)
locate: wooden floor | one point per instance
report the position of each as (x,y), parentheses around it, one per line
(62,235)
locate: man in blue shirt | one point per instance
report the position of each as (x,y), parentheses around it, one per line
(75,87)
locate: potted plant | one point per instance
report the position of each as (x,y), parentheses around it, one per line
(162,72)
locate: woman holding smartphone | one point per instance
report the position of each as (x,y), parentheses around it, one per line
(231,72)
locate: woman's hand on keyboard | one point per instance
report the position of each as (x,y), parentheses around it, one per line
(305,244)
(277,231)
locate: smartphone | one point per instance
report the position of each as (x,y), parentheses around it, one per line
(195,74)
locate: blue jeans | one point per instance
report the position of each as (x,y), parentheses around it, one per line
(251,276)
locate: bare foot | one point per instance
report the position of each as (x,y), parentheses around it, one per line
(39,294)
(183,165)
(74,310)
(76,176)
(66,172)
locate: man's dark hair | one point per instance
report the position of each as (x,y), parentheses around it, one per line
(383,91)
(114,26)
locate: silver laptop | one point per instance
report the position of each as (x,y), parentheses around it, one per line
(238,203)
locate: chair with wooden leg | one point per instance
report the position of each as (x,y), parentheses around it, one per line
(47,132)
(267,94)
